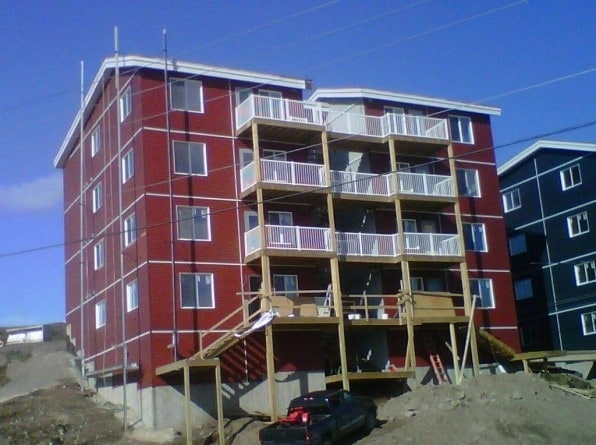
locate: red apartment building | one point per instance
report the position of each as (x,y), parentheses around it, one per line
(204,199)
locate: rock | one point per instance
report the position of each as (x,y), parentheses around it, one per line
(410,413)
(516,395)
(459,395)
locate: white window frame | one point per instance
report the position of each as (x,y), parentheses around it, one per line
(248,216)
(99,255)
(186,148)
(467,180)
(517,236)
(509,200)
(578,218)
(475,249)
(517,285)
(586,267)
(274,155)
(197,277)
(95,141)
(97,197)
(100,314)
(130,230)
(204,211)
(571,184)
(483,298)
(290,293)
(132,295)
(460,121)
(240,91)
(588,317)
(188,85)
(128,166)
(125,104)
(280,215)
(416,284)
(246,157)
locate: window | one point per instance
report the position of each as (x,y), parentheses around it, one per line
(132,295)
(416,283)
(461,129)
(246,157)
(190,158)
(517,244)
(193,223)
(578,224)
(128,166)
(467,182)
(98,255)
(242,94)
(281,218)
(286,285)
(95,141)
(589,323)
(100,314)
(585,273)
(186,95)
(97,197)
(125,104)
(196,290)
(511,200)
(475,237)
(483,288)
(523,289)
(274,155)
(571,177)
(130,230)
(410,226)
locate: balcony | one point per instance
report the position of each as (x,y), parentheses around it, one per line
(318,114)
(277,109)
(289,239)
(349,183)
(283,172)
(367,246)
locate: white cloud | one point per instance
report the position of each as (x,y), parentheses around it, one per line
(37,194)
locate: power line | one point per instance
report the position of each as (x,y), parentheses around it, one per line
(318,189)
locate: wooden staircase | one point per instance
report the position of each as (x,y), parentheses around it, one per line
(435,359)
(226,339)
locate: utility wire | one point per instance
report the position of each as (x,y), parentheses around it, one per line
(235,207)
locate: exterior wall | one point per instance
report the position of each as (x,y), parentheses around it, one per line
(551,319)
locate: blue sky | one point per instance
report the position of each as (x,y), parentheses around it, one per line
(463,50)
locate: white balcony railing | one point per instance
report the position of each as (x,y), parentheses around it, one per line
(252,240)
(434,244)
(293,173)
(361,183)
(298,238)
(275,108)
(366,244)
(317,113)
(417,126)
(424,184)
(248,176)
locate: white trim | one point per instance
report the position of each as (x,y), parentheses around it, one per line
(194,263)
(211,282)
(555,215)
(366,93)
(131,61)
(193,197)
(132,285)
(501,328)
(127,172)
(545,144)
(579,308)
(511,193)
(562,172)
(130,236)
(578,217)
(201,146)
(507,271)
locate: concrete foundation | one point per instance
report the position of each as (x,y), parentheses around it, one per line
(163,406)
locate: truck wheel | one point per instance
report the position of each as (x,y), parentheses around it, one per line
(370,422)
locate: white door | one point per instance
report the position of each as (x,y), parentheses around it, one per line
(270,104)
(396,120)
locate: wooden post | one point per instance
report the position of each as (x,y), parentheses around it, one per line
(187,404)
(465,280)
(468,338)
(220,426)
(334,265)
(454,353)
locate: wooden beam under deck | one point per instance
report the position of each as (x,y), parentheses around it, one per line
(369,376)
(190,362)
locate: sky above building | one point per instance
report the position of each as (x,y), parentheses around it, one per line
(535,59)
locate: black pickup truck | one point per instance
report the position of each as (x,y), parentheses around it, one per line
(321,417)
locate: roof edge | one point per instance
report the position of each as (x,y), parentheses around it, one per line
(173,65)
(545,144)
(325,93)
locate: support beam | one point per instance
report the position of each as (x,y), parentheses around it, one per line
(334,265)
(220,426)
(454,353)
(187,404)
(465,280)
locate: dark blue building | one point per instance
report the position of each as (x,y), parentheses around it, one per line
(549,200)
